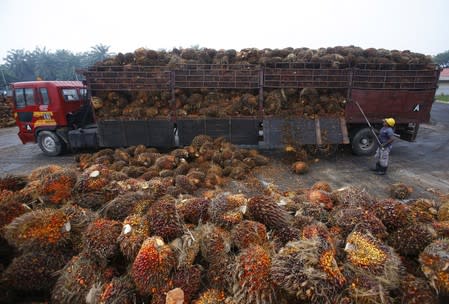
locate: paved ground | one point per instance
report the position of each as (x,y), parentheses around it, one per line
(422,164)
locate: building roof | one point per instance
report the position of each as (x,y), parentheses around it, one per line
(444,74)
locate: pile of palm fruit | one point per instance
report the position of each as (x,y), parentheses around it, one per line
(6,117)
(206,102)
(136,225)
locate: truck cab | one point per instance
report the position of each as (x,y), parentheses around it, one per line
(45,111)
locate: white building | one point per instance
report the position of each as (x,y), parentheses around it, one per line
(443,83)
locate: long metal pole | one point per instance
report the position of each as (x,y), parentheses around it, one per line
(367,121)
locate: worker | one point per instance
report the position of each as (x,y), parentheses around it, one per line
(386,138)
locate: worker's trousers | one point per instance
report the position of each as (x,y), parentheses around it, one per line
(382,156)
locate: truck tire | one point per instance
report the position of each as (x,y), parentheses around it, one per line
(50,143)
(363,142)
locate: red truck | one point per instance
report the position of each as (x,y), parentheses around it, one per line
(58,115)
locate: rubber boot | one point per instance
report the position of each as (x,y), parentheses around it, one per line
(377,167)
(382,170)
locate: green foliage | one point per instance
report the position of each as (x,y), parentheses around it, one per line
(442,59)
(24,65)
(444,98)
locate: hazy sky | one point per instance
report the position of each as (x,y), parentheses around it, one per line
(77,25)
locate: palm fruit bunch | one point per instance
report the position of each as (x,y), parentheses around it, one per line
(121,206)
(211,296)
(94,178)
(392,213)
(349,218)
(185,184)
(423,210)
(247,233)
(251,281)
(443,212)
(40,173)
(410,240)
(76,279)
(79,219)
(33,271)
(10,208)
(300,167)
(369,256)
(188,278)
(434,262)
(321,198)
(118,290)
(226,209)
(400,191)
(100,239)
(152,266)
(264,210)
(313,210)
(187,248)
(365,289)
(321,185)
(193,210)
(92,200)
(12,182)
(441,228)
(215,247)
(416,291)
(352,196)
(164,220)
(306,269)
(56,188)
(39,229)
(135,230)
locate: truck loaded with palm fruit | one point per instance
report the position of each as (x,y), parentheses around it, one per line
(263,98)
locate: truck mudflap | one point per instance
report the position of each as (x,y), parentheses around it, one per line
(125,133)
(279,132)
(239,131)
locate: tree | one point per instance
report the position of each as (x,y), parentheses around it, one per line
(442,59)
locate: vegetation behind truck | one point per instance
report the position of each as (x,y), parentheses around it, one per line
(59,116)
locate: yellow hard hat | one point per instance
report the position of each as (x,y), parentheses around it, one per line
(390,121)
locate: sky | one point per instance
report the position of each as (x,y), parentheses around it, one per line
(77,25)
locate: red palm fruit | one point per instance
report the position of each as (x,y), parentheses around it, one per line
(366,254)
(441,228)
(321,198)
(118,290)
(251,278)
(392,213)
(41,172)
(120,154)
(76,280)
(313,210)
(193,210)
(57,187)
(263,209)
(416,291)
(247,233)
(152,267)
(157,187)
(135,230)
(12,182)
(300,167)
(201,139)
(164,220)
(166,162)
(100,239)
(434,264)
(307,270)
(348,218)
(321,185)
(94,178)
(187,185)
(211,296)
(34,270)
(92,200)
(225,209)
(188,278)
(410,240)
(38,229)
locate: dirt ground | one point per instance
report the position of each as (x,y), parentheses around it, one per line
(422,164)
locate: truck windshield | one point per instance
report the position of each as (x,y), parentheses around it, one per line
(70,95)
(24,97)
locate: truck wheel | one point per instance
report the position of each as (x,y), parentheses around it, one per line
(363,142)
(50,143)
